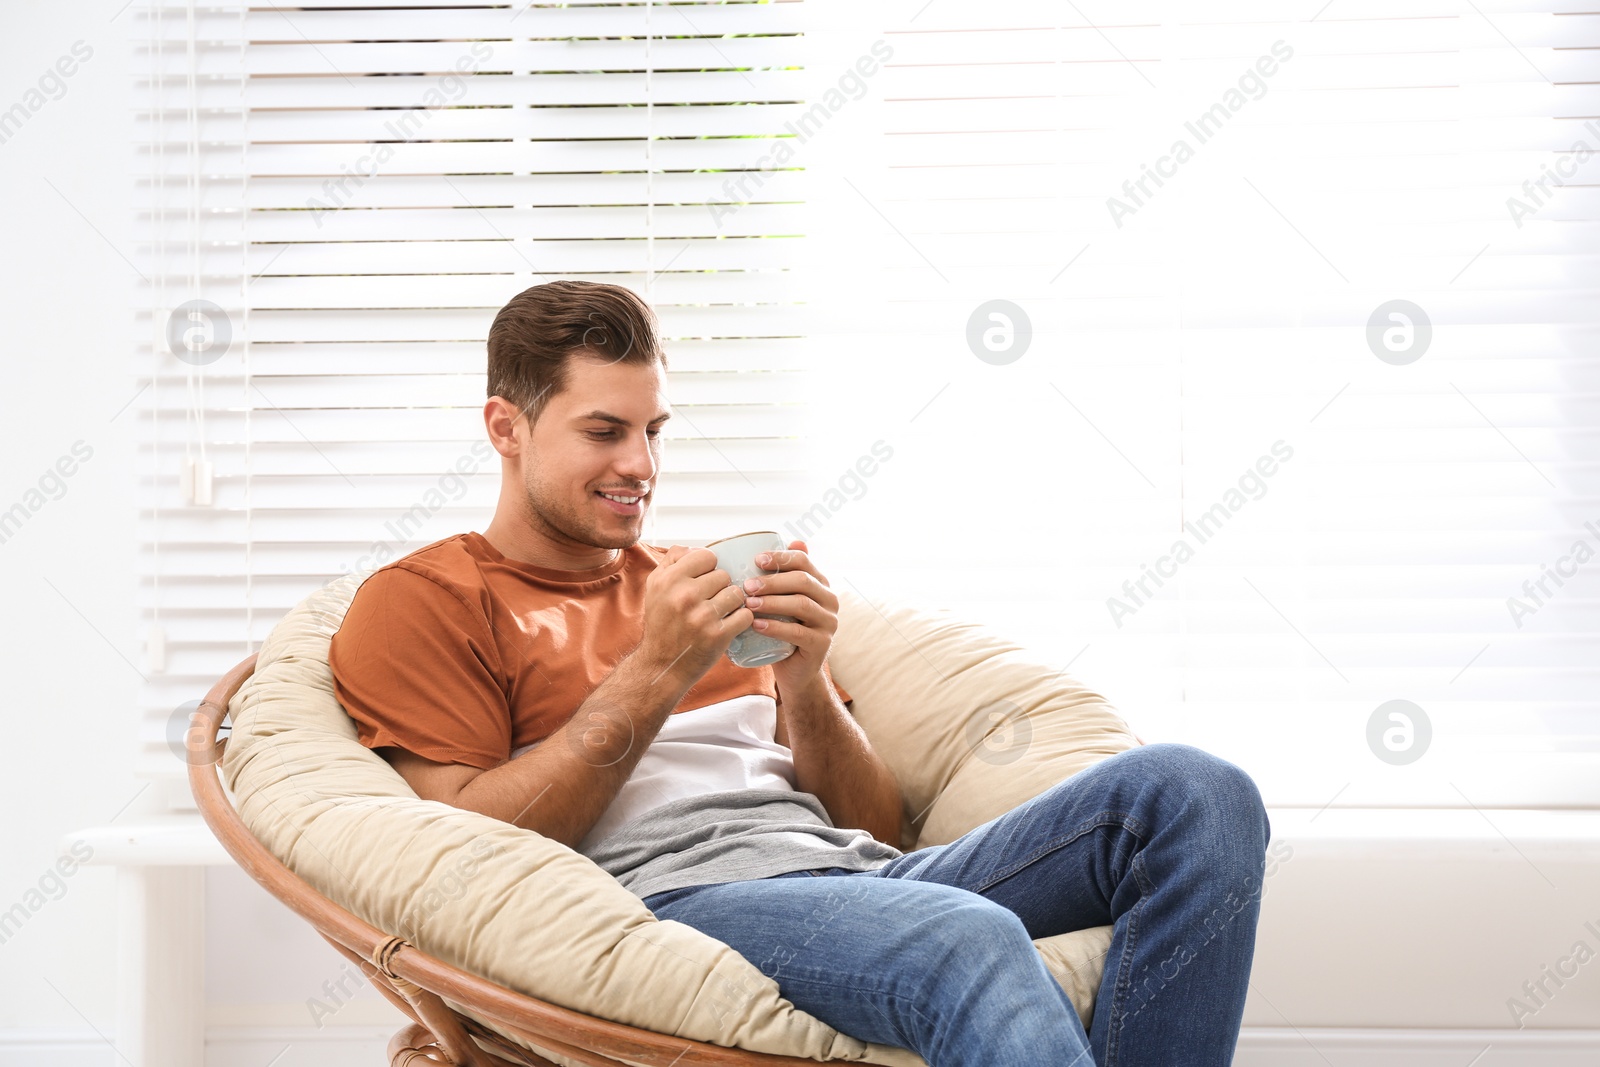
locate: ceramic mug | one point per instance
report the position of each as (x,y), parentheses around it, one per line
(737,555)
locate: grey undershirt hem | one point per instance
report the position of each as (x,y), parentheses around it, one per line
(731,836)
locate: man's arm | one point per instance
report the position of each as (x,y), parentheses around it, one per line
(834,760)
(562,786)
(832,757)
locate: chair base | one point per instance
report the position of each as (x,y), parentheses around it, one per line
(415,1046)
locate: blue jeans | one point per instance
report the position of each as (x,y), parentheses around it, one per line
(934,950)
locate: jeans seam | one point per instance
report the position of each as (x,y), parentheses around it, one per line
(1094,822)
(1121,990)
(1123,983)
(869,992)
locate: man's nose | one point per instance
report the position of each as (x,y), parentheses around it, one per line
(638,461)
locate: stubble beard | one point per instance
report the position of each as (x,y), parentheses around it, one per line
(555,517)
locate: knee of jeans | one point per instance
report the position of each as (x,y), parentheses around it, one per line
(978,928)
(1223,790)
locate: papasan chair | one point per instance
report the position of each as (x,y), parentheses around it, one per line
(508,949)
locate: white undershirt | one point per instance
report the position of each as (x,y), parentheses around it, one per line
(719,747)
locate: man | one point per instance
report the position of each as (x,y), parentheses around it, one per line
(554,673)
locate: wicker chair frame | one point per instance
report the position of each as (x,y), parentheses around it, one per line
(418,983)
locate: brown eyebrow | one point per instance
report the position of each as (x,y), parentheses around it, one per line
(618,420)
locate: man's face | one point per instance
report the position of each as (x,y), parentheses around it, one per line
(602,434)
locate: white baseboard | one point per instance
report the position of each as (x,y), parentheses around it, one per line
(364,1046)
(331,1046)
(226,1046)
(1349,1047)
(54,1048)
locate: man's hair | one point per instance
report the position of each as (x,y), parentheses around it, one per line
(539,329)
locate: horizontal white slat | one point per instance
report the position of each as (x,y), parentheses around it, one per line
(410,324)
(423,157)
(330,224)
(429,460)
(1476,203)
(1203,43)
(287,424)
(296,57)
(1305,71)
(357,325)
(744,287)
(1095,307)
(333,90)
(1466,325)
(1217,324)
(396,495)
(1135,14)
(1490,565)
(428,357)
(1050,117)
(1362,431)
(436,21)
(490,190)
(325,540)
(1498,175)
(1298,138)
(495,252)
(1064,119)
(378,390)
(447,123)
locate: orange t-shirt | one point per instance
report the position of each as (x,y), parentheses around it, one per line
(460,655)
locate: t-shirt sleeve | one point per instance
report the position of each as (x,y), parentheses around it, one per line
(416,666)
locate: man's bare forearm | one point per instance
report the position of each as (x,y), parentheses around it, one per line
(561,787)
(834,760)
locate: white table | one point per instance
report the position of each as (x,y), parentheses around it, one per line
(161,971)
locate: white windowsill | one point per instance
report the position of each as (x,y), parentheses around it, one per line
(184,840)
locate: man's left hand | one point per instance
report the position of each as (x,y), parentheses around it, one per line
(800,591)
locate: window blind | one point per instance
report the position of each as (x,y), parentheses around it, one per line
(1240,357)
(336,201)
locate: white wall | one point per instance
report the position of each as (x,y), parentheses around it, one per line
(65,295)
(71,652)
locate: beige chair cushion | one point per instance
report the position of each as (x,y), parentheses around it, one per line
(531,914)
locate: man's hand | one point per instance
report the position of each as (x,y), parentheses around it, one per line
(692,611)
(800,591)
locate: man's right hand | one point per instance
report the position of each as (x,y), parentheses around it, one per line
(692,611)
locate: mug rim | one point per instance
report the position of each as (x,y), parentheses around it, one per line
(734,537)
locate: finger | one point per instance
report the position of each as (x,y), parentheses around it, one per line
(799,562)
(803,608)
(802,636)
(713,582)
(697,561)
(737,622)
(728,598)
(700,564)
(795,583)
(788,560)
